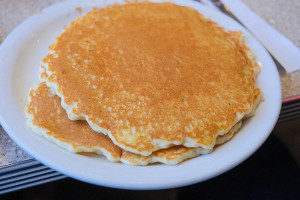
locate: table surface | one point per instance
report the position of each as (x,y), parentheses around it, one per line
(284,15)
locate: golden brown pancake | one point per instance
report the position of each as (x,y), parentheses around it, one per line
(47,118)
(43,74)
(175,154)
(153,75)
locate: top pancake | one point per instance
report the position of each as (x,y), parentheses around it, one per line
(46,117)
(152,75)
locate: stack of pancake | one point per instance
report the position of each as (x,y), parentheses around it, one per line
(142,83)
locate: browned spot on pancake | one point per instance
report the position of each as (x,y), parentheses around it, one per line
(43,73)
(39,12)
(79,10)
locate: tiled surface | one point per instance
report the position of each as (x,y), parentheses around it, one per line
(12,13)
(9,152)
(278,13)
(284,15)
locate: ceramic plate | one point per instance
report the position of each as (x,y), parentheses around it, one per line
(20,56)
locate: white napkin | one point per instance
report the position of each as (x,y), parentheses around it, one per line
(282,49)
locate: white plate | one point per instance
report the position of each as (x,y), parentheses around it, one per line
(20,56)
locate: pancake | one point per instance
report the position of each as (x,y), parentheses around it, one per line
(47,118)
(153,75)
(175,154)
(43,74)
